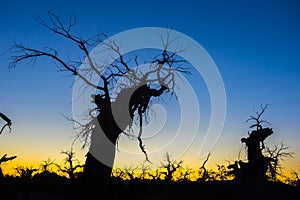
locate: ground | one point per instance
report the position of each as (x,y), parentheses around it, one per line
(15,189)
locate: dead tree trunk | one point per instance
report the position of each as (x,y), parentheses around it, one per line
(257,162)
(113,119)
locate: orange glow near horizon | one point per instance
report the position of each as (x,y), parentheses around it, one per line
(34,148)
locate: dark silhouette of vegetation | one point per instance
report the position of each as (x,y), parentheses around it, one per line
(142,182)
(48,180)
(25,172)
(258,162)
(294,179)
(46,165)
(203,173)
(3,160)
(71,165)
(276,154)
(4,157)
(114,115)
(170,167)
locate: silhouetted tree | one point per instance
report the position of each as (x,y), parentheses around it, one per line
(203,172)
(222,173)
(294,179)
(45,165)
(170,167)
(130,172)
(70,165)
(25,173)
(185,174)
(257,165)
(155,175)
(261,159)
(133,95)
(277,154)
(143,171)
(119,174)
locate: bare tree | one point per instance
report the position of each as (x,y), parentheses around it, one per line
(276,155)
(263,161)
(138,88)
(130,172)
(257,119)
(257,162)
(202,172)
(222,173)
(46,164)
(170,167)
(185,174)
(70,165)
(143,171)
(26,173)
(154,175)
(118,173)
(294,179)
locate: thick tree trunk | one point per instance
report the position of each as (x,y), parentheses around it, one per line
(100,158)
(113,119)
(96,179)
(257,161)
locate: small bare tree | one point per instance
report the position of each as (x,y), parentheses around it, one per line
(26,173)
(202,172)
(130,172)
(118,173)
(46,165)
(294,179)
(170,167)
(185,174)
(70,165)
(154,175)
(276,155)
(222,173)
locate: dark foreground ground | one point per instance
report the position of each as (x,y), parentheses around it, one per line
(146,190)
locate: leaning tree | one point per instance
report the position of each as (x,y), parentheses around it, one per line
(118,104)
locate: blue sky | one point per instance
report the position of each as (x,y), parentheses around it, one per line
(255,45)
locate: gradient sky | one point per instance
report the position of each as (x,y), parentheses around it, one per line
(255,45)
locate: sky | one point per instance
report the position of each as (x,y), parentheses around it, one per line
(254,44)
